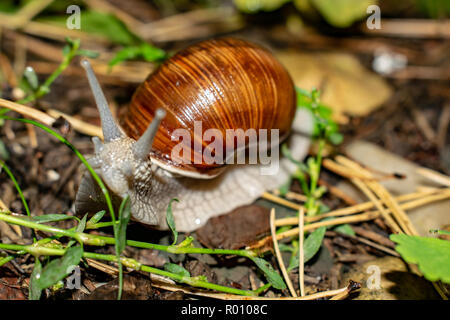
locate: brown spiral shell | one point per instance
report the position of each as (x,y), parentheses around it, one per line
(226,83)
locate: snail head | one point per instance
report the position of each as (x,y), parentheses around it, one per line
(122,162)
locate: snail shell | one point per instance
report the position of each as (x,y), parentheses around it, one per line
(223,83)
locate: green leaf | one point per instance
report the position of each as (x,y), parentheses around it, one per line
(342,13)
(31,77)
(174,268)
(103,24)
(34,291)
(4,154)
(285,248)
(253,6)
(311,246)
(58,269)
(51,218)
(124,218)
(82,225)
(171,221)
(432,255)
(271,275)
(345,229)
(336,138)
(186,243)
(145,51)
(87,53)
(96,217)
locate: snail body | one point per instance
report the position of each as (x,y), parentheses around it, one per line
(223,84)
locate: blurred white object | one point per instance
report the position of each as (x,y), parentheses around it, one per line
(386,62)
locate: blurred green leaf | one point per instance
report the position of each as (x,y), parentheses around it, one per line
(58,269)
(145,51)
(271,275)
(31,77)
(99,23)
(324,125)
(96,217)
(336,138)
(4,154)
(174,268)
(34,291)
(50,218)
(311,246)
(82,224)
(10,6)
(432,255)
(171,221)
(186,243)
(87,53)
(342,13)
(253,6)
(345,229)
(435,9)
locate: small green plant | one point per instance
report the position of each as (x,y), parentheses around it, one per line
(432,255)
(325,130)
(31,84)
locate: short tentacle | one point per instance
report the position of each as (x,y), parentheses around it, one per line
(143,146)
(110,129)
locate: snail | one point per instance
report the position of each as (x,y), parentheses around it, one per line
(222,84)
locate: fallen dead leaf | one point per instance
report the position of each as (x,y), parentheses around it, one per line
(346,85)
(235,229)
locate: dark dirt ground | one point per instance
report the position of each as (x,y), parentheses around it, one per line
(49,175)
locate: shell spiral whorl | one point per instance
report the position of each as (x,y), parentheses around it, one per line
(225,83)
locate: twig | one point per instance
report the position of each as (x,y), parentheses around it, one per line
(284,202)
(373,236)
(342,170)
(77,124)
(291,195)
(434,176)
(113,271)
(444,121)
(412,28)
(28,111)
(278,254)
(423,124)
(27,12)
(301,256)
(294,231)
(390,222)
(417,199)
(338,193)
(421,72)
(7,70)
(48,120)
(352,219)
(384,195)
(191,24)
(377,246)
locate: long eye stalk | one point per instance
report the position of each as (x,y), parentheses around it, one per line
(110,129)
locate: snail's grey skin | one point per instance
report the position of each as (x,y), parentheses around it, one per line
(126,168)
